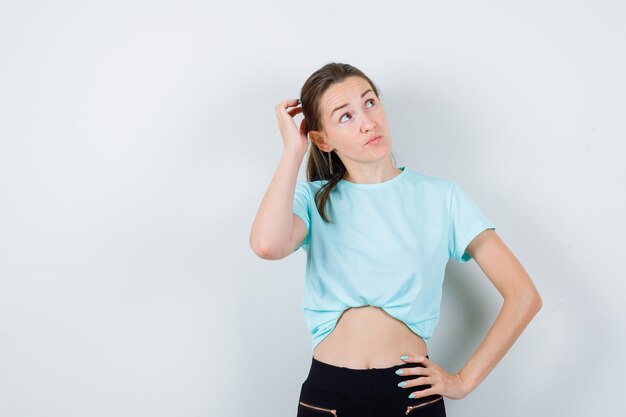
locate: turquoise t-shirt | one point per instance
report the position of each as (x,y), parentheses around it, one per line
(388,247)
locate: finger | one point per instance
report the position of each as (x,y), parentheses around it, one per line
(419,370)
(414,358)
(304,127)
(424,393)
(290,103)
(286,115)
(284,105)
(423,380)
(294,111)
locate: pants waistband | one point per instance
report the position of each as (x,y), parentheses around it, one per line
(373,381)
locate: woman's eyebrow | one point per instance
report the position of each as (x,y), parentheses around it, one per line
(344,105)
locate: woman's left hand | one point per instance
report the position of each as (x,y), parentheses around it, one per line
(442,383)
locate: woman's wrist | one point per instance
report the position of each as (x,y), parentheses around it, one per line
(291,153)
(466,384)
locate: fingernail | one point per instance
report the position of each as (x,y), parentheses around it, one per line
(401,384)
(404,357)
(400,371)
(412,396)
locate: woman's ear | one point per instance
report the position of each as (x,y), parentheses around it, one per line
(318,138)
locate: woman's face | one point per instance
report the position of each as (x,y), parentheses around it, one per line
(351,116)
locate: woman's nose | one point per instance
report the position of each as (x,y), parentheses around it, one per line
(368,123)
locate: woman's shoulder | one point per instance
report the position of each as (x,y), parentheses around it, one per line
(310,185)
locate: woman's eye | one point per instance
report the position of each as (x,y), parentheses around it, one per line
(345,114)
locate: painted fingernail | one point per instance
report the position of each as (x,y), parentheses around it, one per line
(401,384)
(400,371)
(412,396)
(404,357)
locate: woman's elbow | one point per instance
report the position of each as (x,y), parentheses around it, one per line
(532,300)
(529,300)
(535,298)
(264,250)
(538,301)
(260,249)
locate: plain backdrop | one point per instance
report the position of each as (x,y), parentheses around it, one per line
(137,139)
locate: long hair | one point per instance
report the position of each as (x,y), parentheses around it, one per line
(318,167)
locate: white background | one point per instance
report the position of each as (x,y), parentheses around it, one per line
(137,139)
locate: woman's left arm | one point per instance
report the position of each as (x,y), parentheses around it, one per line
(521,303)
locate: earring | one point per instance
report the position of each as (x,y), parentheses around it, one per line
(330,165)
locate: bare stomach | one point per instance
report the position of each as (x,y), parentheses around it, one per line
(368,337)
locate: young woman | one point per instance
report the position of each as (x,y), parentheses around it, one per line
(377,238)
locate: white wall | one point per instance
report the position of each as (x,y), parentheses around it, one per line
(137,139)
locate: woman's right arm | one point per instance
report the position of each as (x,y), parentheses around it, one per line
(276,230)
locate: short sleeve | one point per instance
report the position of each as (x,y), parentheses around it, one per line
(466,222)
(302,208)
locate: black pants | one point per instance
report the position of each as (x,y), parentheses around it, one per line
(345,392)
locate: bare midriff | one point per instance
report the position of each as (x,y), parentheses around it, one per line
(368,337)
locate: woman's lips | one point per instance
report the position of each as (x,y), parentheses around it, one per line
(374,141)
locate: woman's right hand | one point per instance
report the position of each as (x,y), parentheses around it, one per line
(294,138)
